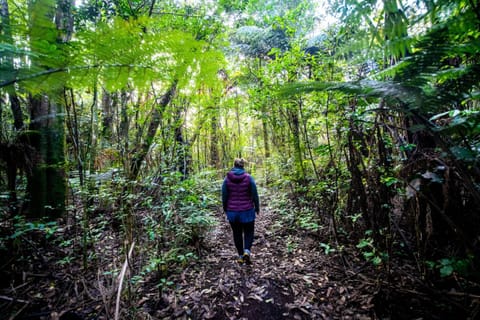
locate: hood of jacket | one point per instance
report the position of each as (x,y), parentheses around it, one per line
(237,175)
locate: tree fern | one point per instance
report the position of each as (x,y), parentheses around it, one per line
(115,52)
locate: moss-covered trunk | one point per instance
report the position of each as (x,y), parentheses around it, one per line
(47,182)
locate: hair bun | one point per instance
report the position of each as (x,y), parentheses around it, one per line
(239,162)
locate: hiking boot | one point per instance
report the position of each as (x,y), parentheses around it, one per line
(246,257)
(241,260)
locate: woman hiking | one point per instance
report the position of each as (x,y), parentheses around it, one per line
(241,204)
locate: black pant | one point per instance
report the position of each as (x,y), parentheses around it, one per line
(243,235)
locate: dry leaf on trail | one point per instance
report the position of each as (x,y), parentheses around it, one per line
(329,291)
(255,297)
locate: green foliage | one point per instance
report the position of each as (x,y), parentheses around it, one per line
(327,248)
(370,251)
(365,74)
(188,206)
(429,81)
(454,265)
(175,226)
(257,42)
(307,220)
(23,227)
(291,245)
(389,181)
(31,232)
(66,260)
(108,192)
(117,52)
(463,128)
(233,5)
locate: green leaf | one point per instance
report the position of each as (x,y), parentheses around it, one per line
(389,181)
(463,153)
(446,270)
(377,260)
(364,243)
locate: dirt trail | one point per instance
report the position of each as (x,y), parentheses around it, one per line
(289,279)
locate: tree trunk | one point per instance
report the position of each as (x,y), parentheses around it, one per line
(47,182)
(214,156)
(182,146)
(11,162)
(108,102)
(124,128)
(307,140)
(294,123)
(141,152)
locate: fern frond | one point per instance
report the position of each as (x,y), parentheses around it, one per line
(364,88)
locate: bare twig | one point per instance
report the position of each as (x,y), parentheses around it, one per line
(12,317)
(13,299)
(121,277)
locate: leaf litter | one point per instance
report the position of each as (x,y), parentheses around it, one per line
(284,282)
(280,284)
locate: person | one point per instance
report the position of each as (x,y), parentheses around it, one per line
(241,204)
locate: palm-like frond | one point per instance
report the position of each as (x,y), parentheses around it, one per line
(116,53)
(441,73)
(395,92)
(257,42)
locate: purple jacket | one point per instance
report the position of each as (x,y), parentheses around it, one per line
(239,192)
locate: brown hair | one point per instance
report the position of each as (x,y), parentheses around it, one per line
(239,163)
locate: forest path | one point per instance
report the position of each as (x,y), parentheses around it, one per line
(289,279)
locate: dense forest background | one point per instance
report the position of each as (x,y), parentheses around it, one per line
(360,121)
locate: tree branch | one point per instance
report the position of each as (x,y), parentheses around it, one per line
(67,70)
